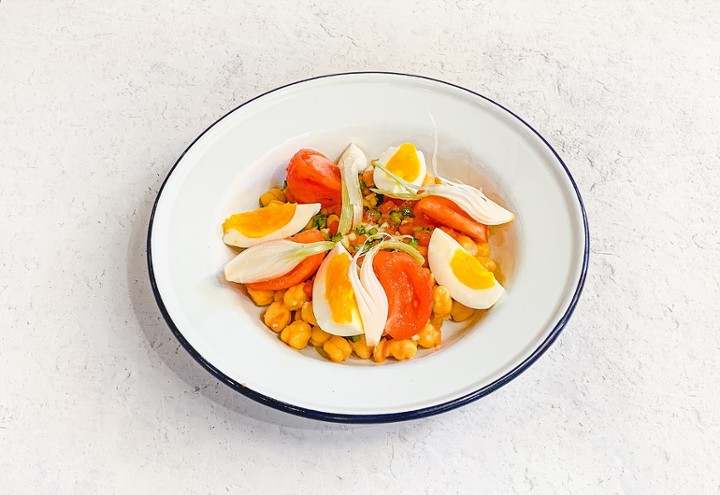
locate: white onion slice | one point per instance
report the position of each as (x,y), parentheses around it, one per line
(271,259)
(468,198)
(371,298)
(351,163)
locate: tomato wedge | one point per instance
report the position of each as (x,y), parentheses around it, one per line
(300,273)
(408,291)
(445,212)
(313,178)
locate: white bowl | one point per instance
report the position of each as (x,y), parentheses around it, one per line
(543,255)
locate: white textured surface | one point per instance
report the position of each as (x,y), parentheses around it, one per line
(96,103)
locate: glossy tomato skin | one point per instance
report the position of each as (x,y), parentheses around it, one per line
(408,290)
(447,213)
(313,178)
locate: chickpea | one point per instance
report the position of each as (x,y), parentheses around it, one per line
(429,336)
(276,202)
(430,276)
(442,302)
(295,297)
(279,294)
(266,198)
(361,348)
(483,250)
(402,349)
(279,194)
(468,244)
(381,351)
(460,312)
(261,297)
(487,263)
(337,348)
(296,334)
(318,336)
(332,218)
(307,313)
(277,316)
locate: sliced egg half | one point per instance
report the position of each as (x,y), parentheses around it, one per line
(275,221)
(405,161)
(467,280)
(334,301)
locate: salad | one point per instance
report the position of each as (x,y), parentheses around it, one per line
(366,257)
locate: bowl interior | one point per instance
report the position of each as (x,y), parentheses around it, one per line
(541,254)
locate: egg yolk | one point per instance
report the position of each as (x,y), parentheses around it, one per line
(405,162)
(338,290)
(262,221)
(470,272)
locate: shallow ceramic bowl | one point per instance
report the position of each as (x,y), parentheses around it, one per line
(543,255)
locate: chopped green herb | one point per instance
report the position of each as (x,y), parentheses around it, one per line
(319,220)
(360,229)
(418,229)
(395,217)
(363,185)
(284,186)
(407,212)
(414,243)
(354,338)
(372,231)
(336,238)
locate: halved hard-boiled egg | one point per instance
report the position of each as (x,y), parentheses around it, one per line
(405,161)
(275,221)
(467,280)
(334,299)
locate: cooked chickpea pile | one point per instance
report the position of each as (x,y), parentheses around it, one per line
(289,312)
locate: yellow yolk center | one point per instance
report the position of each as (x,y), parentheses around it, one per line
(261,222)
(338,290)
(470,272)
(405,162)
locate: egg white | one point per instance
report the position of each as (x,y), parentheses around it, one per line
(321,306)
(303,214)
(384,181)
(440,252)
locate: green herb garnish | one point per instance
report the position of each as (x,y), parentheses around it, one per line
(360,229)
(395,217)
(407,212)
(319,220)
(336,238)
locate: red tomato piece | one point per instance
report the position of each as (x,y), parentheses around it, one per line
(408,290)
(313,178)
(447,213)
